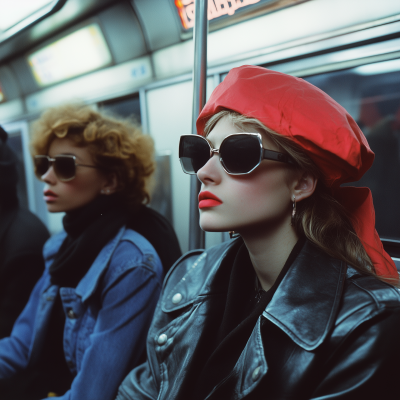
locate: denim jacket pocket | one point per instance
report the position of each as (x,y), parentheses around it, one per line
(77,328)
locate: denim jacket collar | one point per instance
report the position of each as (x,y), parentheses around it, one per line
(89,282)
(51,247)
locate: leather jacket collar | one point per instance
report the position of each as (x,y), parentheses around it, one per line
(307,290)
(312,292)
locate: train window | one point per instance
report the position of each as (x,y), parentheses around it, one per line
(29,189)
(161,199)
(371,94)
(124,107)
(15,142)
(2,97)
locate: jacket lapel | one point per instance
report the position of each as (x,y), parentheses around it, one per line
(307,300)
(196,279)
(87,286)
(304,306)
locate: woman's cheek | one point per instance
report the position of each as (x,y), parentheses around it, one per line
(77,185)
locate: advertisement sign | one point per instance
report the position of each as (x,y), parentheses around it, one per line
(80,52)
(216,9)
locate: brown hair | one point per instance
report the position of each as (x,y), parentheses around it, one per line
(321,218)
(117,146)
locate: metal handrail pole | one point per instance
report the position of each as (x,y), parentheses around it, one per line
(196,235)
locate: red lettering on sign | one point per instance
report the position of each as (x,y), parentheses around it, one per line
(216,8)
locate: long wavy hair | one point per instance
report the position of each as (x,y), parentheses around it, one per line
(321,218)
(116,145)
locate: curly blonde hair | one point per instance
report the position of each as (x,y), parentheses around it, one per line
(116,145)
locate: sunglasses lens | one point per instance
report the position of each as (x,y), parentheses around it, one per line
(240,153)
(64,167)
(194,152)
(41,166)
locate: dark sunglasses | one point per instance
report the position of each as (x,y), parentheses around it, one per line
(239,153)
(64,166)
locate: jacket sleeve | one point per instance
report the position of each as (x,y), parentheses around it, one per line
(18,278)
(366,364)
(138,385)
(119,335)
(147,381)
(14,350)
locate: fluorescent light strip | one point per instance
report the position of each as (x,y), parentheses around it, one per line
(30,19)
(15,11)
(378,68)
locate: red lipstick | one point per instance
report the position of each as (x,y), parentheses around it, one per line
(207,199)
(49,196)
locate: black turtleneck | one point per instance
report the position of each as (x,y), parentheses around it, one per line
(88,228)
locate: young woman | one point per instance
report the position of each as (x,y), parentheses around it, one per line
(303,304)
(85,324)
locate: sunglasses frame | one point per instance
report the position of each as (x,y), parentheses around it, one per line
(265,154)
(53,160)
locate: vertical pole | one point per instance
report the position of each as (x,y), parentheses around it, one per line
(196,235)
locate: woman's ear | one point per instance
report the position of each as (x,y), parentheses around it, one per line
(304,186)
(110,184)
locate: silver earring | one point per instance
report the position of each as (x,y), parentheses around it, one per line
(294,210)
(233,234)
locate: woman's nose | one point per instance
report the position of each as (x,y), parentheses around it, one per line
(211,171)
(49,176)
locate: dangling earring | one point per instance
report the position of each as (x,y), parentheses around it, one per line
(233,234)
(293,210)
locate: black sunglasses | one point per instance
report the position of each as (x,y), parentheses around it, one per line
(239,153)
(64,166)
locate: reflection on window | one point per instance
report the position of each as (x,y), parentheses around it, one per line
(371,94)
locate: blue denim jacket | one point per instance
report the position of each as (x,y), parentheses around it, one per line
(102,338)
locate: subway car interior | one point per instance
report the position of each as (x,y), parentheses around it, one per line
(135,59)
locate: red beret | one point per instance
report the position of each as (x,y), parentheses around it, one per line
(297,109)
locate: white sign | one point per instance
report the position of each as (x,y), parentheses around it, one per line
(216,8)
(83,51)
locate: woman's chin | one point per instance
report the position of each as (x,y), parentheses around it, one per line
(212,226)
(53,208)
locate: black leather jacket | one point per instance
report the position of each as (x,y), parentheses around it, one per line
(339,335)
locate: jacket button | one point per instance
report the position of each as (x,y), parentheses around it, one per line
(71,314)
(176,298)
(162,339)
(256,373)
